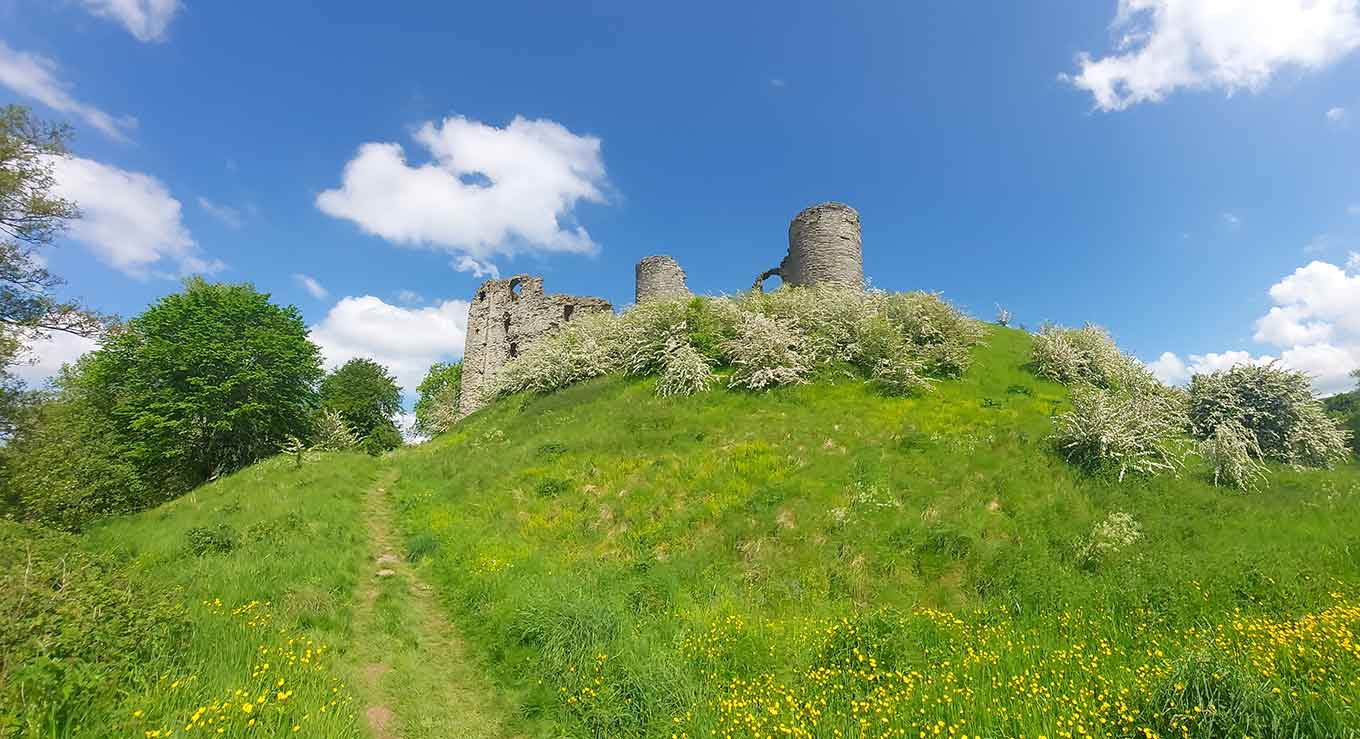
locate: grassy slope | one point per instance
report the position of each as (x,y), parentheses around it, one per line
(799,560)
(299,552)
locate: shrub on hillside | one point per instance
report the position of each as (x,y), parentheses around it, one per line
(332,433)
(684,370)
(940,333)
(1085,356)
(67,468)
(1234,455)
(767,352)
(384,438)
(646,335)
(1114,432)
(880,350)
(585,348)
(1276,406)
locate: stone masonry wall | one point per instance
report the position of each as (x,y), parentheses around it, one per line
(824,247)
(659,277)
(504,319)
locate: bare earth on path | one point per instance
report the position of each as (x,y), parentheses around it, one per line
(414,673)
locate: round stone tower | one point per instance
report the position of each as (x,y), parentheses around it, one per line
(659,277)
(824,246)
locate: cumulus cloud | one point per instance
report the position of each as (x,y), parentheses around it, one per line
(1168,45)
(128,219)
(146,20)
(35,77)
(312,287)
(45,356)
(485,191)
(229,216)
(1337,116)
(1315,323)
(405,340)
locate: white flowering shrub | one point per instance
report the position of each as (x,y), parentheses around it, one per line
(684,370)
(1086,356)
(647,334)
(1276,406)
(332,434)
(1117,532)
(881,352)
(766,352)
(585,348)
(443,411)
(827,316)
(939,333)
(1119,432)
(1234,455)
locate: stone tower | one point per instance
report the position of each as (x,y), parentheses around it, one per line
(824,247)
(505,318)
(659,277)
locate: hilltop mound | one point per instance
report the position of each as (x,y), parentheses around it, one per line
(826,561)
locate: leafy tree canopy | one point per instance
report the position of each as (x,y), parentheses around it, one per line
(438,401)
(364,393)
(205,381)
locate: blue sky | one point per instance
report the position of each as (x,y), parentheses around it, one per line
(1189,183)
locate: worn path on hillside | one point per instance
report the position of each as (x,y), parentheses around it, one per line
(414,673)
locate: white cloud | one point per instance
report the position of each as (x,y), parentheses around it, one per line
(146,20)
(1232,220)
(228,215)
(466,263)
(410,297)
(486,191)
(1353,263)
(35,77)
(405,340)
(49,354)
(312,287)
(1170,369)
(1168,45)
(128,219)
(1337,116)
(1315,323)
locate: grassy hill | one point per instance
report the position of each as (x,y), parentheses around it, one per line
(819,560)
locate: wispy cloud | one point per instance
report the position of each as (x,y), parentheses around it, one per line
(33,76)
(146,20)
(228,215)
(312,287)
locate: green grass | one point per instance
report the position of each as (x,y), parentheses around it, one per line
(643,567)
(813,561)
(258,568)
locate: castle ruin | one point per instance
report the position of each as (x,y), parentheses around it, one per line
(824,246)
(505,318)
(658,278)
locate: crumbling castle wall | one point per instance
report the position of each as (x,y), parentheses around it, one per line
(824,247)
(659,277)
(505,318)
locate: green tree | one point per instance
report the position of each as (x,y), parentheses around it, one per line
(437,404)
(31,216)
(366,395)
(204,382)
